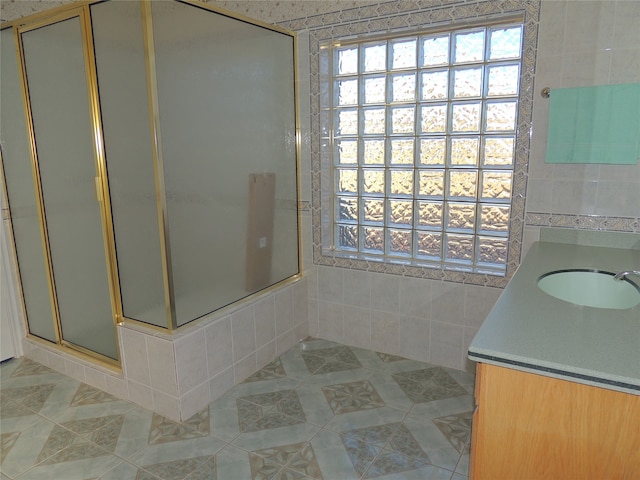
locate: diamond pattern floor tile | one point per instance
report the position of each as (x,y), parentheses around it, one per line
(332,359)
(352,397)
(429,384)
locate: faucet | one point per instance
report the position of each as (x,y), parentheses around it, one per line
(622,275)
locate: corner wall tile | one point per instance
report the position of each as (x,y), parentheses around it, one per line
(195,400)
(134,356)
(166,405)
(162,366)
(191,361)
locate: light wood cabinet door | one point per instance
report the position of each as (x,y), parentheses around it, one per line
(528,426)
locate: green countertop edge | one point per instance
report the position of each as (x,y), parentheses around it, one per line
(531,331)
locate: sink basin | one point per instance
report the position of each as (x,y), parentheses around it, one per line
(590,288)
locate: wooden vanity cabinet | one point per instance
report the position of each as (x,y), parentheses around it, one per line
(530,427)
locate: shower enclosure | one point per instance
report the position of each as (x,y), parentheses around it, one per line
(149,154)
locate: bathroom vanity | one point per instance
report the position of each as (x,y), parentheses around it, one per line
(558,384)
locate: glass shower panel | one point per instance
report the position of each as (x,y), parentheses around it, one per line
(58,90)
(226,96)
(16,157)
(122,81)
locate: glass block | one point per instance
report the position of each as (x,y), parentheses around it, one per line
(403,120)
(373,152)
(503,80)
(459,248)
(346,151)
(494,219)
(464,151)
(347,92)
(469,47)
(431,183)
(403,54)
(401,182)
(347,180)
(346,122)
(403,88)
(429,245)
(374,121)
(375,90)
(499,150)
(400,242)
(505,43)
(347,209)
(402,151)
(433,118)
(347,237)
(467,82)
(401,212)
(466,117)
(434,85)
(373,240)
(492,251)
(375,57)
(501,116)
(461,217)
(373,181)
(432,151)
(373,211)
(462,184)
(496,185)
(347,60)
(430,214)
(435,51)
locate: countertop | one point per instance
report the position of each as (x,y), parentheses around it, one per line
(532,331)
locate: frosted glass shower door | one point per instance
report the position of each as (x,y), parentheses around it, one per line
(62,122)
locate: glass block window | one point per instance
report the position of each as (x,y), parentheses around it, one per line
(422,141)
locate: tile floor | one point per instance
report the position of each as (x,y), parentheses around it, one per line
(320,411)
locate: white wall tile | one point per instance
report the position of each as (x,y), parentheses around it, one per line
(265,315)
(357,326)
(166,405)
(330,320)
(446,347)
(284,310)
(134,356)
(243,368)
(140,394)
(385,332)
(194,401)
(448,302)
(74,369)
(243,333)
(357,288)
(221,383)
(413,338)
(191,361)
(162,366)
(385,292)
(219,348)
(415,297)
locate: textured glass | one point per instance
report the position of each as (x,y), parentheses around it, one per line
(348,209)
(402,120)
(461,216)
(373,152)
(430,214)
(431,183)
(466,117)
(469,47)
(374,120)
(375,59)
(498,151)
(347,151)
(505,43)
(462,184)
(347,122)
(403,54)
(403,88)
(435,85)
(373,211)
(347,237)
(492,251)
(347,61)
(373,239)
(402,151)
(432,151)
(494,219)
(429,245)
(400,242)
(503,80)
(464,151)
(347,91)
(501,116)
(435,51)
(401,182)
(496,185)
(374,90)
(401,212)
(433,118)
(459,248)
(467,82)
(373,181)
(347,181)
